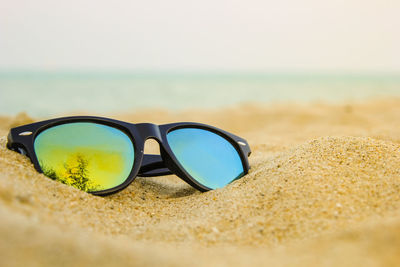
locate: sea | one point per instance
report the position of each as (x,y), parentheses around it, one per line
(51,93)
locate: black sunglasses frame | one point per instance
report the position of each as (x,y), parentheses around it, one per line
(22,138)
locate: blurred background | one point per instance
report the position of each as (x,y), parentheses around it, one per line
(102,56)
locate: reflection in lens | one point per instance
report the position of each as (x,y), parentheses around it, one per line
(89,156)
(206,156)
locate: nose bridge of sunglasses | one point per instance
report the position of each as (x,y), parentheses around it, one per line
(149,130)
(153,164)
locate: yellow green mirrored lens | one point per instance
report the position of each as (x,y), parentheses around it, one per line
(89,156)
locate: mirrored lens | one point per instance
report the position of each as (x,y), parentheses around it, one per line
(89,156)
(206,156)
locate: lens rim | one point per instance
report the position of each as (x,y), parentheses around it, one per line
(232,139)
(93,123)
(26,143)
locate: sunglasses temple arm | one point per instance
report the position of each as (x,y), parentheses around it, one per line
(14,147)
(153,165)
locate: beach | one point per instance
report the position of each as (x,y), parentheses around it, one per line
(323,189)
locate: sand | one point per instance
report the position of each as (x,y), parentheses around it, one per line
(324,189)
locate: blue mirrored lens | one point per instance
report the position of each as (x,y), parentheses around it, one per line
(206,156)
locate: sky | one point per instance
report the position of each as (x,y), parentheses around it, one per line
(207,35)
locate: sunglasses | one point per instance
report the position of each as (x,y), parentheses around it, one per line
(103,156)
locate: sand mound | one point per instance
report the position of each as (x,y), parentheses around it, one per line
(323,185)
(313,200)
